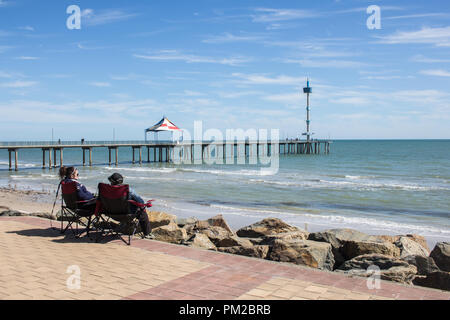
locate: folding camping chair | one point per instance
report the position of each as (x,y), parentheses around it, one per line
(113,204)
(71,211)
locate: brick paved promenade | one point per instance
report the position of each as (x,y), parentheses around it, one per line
(34,259)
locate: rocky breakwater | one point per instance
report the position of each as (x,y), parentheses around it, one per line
(403,258)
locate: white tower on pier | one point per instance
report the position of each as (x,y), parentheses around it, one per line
(307,90)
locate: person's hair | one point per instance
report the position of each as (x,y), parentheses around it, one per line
(66,172)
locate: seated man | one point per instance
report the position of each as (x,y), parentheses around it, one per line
(117,179)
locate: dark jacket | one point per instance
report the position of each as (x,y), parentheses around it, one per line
(82,193)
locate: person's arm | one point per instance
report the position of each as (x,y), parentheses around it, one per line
(134,196)
(82,193)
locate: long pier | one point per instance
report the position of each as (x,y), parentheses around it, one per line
(170,152)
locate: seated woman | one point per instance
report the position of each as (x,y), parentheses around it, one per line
(70,174)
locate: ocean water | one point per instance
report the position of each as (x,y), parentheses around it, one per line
(375,186)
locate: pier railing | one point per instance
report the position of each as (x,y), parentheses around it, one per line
(168,150)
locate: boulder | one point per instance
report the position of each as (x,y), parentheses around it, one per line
(424,265)
(414,237)
(337,238)
(12,213)
(181,222)
(256,241)
(409,247)
(216,234)
(266,227)
(190,229)
(293,235)
(304,252)
(441,255)
(392,269)
(170,233)
(257,251)
(437,280)
(352,249)
(233,241)
(219,221)
(200,240)
(44,215)
(159,219)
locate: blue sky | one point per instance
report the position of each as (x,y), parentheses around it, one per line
(232,64)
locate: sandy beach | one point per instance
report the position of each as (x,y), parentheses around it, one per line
(26,201)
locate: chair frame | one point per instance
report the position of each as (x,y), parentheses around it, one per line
(69,209)
(126,218)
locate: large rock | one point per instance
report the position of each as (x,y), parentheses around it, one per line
(286,236)
(265,227)
(305,252)
(353,249)
(159,219)
(12,213)
(233,241)
(200,240)
(337,238)
(438,280)
(181,222)
(441,255)
(414,237)
(216,234)
(170,233)
(257,251)
(219,221)
(409,247)
(392,269)
(424,265)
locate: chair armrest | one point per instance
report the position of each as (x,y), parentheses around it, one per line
(148,204)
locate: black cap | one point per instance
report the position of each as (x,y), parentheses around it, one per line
(116,178)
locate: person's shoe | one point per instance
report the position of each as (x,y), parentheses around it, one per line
(149,236)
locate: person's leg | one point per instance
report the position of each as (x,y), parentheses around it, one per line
(144,222)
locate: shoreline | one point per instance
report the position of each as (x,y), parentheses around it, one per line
(29,201)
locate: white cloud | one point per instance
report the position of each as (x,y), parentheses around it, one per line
(4,3)
(422,59)
(289,98)
(352,101)
(263,79)
(26,28)
(173,55)
(275,15)
(5,48)
(422,15)
(437,73)
(26,58)
(228,37)
(237,94)
(100,84)
(316,63)
(439,37)
(18,84)
(90,18)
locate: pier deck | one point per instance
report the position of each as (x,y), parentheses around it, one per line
(172,152)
